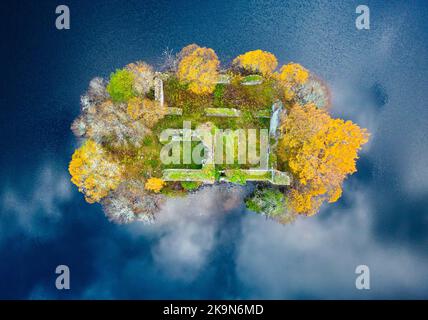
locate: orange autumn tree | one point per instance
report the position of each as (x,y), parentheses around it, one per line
(257,61)
(198,67)
(93,172)
(320,152)
(292,76)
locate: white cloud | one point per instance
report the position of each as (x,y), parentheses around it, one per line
(413,164)
(34,211)
(188,228)
(179,247)
(356,105)
(316,257)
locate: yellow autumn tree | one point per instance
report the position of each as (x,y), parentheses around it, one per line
(93,172)
(187,50)
(146,110)
(291,77)
(198,67)
(320,152)
(154,184)
(257,61)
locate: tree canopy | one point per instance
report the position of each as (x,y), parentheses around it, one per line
(154,184)
(199,68)
(270,202)
(119,164)
(292,76)
(146,110)
(94,172)
(320,152)
(143,76)
(121,85)
(257,61)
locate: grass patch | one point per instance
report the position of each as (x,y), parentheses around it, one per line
(201,175)
(263,113)
(222,112)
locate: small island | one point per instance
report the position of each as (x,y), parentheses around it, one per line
(148,135)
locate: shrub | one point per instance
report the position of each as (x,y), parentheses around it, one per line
(146,110)
(121,85)
(154,184)
(269,202)
(130,202)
